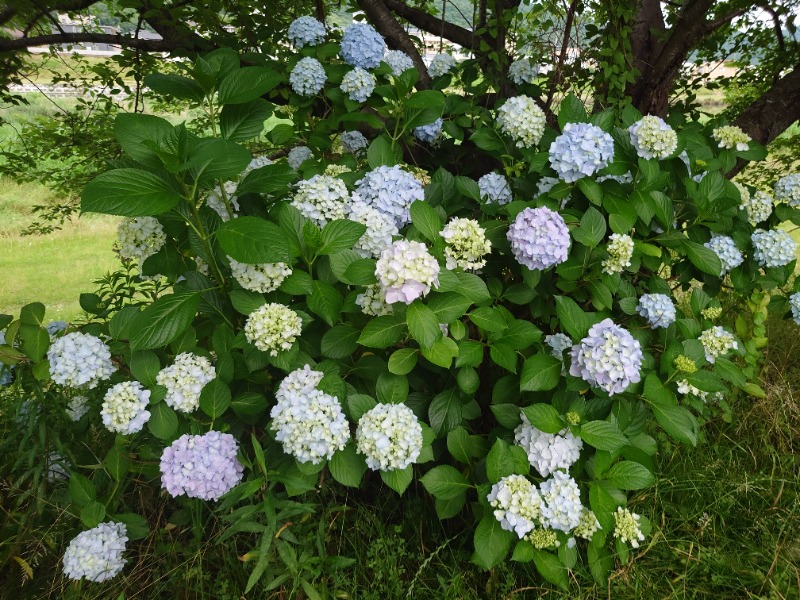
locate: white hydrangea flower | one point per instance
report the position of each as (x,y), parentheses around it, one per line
(516,503)
(716,342)
(730,136)
(587,525)
(794,304)
(263,278)
(398,61)
(582,149)
(545,184)
(381,228)
(358,84)
(758,206)
(494,189)
(96,554)
(391,190)
(787,189)
(466,244)
(308,77)
(547,452)
(322,198)
(79,359)
(624,179)
(306,31)
(626,527)
(725,248)
(620,252)
(215,201)
(558,342)
(562,507)
(140,237)
(441,64)
(273,328)
(522,71)
(300,381)
(58,467)
(373,301)
(686,388)
(773,248)
(77,407)
(744,194)
(406,271)
(125,407)
(256,163)
(354,142)
(298,155)
(389,436)
(653,138)
(521,120)
(657,309)
(184,379)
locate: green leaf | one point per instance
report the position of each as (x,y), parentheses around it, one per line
(340,342)
(129,193)
(245,301)
(241,122)
(145,138)
(213,159)
(249,403)
(470,354)
(117,464)
(93,514)
(348,467)
(447,509)
(253,240)
(492,542)
(592,190)
(402,361)
(135,525)
(459,446)
(703,258)
(382,332)
(630,475)
(592,229)
(426,99)
(422,324)
(601,561)
(573,319)
(541,372)
(215,398)
(488,318)
(426,220)
(551,568)
(326,302)
(488,139)
(445,411)
(677,421)
(247,84)
(603,435)
(398,479)
(504,460)
(340,235)
(145,365)
(299,283)
(358,404)
(32,314)
(163,422)
(164,320)
(441,353)
(571,111)
(269,179)
(544,417)
(382,152)
(35,341)
(176,86)
(448,306)
(391,389)
(81,489)
(445,482)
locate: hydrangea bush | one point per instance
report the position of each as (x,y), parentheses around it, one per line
(514,320)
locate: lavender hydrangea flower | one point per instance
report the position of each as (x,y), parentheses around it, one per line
(725,248)
(298,155)
(308,77)
(582,149)
(539,238)
(787,189)
(201,466)
(362,46)
(406,271)
(657,309)
(96,554)
(429,133)
(398,61)
(653,138)
(609,357)
(79,359)
(306,31)
(558,342)
(358,84)
(522,120)
(494,189)
(773,248)
(391,190)
(354,142)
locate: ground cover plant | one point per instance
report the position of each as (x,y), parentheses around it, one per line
(375,310)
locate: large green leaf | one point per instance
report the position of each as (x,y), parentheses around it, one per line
(423,324)
(240,122)
(164,320)
(253,240)
(177,86)
(445,482)
(540,372)
(426,220)
(129,193)
(270,179)
(339,235)
(215,159)
(630,475)
(603,435)
(247,84)
(144,137)
(492,542)
(382,332)
(348,467)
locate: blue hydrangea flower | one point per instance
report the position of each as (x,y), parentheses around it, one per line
(773,248)
(354,141)
(441,64)
(725,248)
(656,309)
(494,189)
(358,84)
(201,466)
(429,133)
(523,70)
(539,238)
(787,189)
(391,190)
(298,155)
(362,46)
(609,357)
(308,77)
(398,61)
(581,150)
(306,31)
(794,303)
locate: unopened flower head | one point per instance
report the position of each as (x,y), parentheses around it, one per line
(362,46)
(657,309)
(354,142)
(653,138)
(96,554)
(398,60)
(716,342)
(391,190)
(358,84)
(494,189)
(77,407)
(543,538)
(522,120)
(620,252)
(773,248)
(731,137)
(582,149)
(794,304)
(522,71)
(381,228)
(562,506)
(547,452)
(322,198)
(216,202)
(587,524)
(626,527)
(298,155)
(684,364)
(373,301)
(429,133)
(609,357)
(79,359)
(406,271)
(517,504)
(441,64)
(308,77)
(125,407)
(262,278)
(140,237)
(306,31)
(758,206)
(725,248)
(201,466)
(712,313)
(389,436)
(184,379)
(539,238)
(273,328)
(787,189)
(466,244)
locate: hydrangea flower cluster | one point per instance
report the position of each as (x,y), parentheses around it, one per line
(587,525)
(773,248)
(626,527)
(725,248)
(712,313)
(657,309)
(389,436)
(562,507)
(539,238)
(79,359)
(441,64)
(262,278)
(309,423)
(494,189)
(215,201)
(558,342)
(716,342)
(58,467)
(429,133)
(55,327)
(758,206)
(609,357)
(201,466)
(308,77)
(466,244)
(362,46)
(521,120)
(398,61)
(391,190)
(96,554)
(273,328)
(744,193)
(381,228)
(77,407)
(522,71)
(140,237)
(543,538)
(730,137)
(517,504)
(686,388)
(620,252)
(373,301)
(582,149)
(794,303)
(406,271)
(787,189)
(353,142)
(653,138)
(306,31)
(125,407)
(322,198)
(185,379)
(358,84)
(623,179)
(684,364)
(298,155)
(547,452)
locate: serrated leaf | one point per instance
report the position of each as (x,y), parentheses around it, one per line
(215,398)
(348,467)
(164,320)
(541,372)
(544,417)
(253,240)
(630,475)
(382,331)
(603,435)
(445,482)
(492,542)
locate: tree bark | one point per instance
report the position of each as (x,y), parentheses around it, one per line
(774,111)
(427,22)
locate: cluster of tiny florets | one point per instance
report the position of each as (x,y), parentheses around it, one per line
(758,206)
(787,189)
(201,466)
(322,198)
(79,359)
(522,71)
(125,407)
(185,379)
(466,244)
(441,64)
(558,342)
(716,342)
(547,452)
(686,388)
(494,189)
(406,271)
(522,120)
(391,190)
(517,504)
(429,133)
(373,301)
(730,137)
(587,525)
(620,252)
(389,436)
(306,31)
(794,303)
(626,527)
(398,61)
(657,309)
(539,238)
(773,248)
(308,77)
(545,184)
(77,407)
(609,357)
(96,554)
(381,228)
(273,328)
(684,364)
(358,84)
(725,248)
(262,278)
(216,202)
(712,313)
(362,46)
(653,138)
(298,155)
(140,237)
(582,149)
(562,507)
(353,142)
